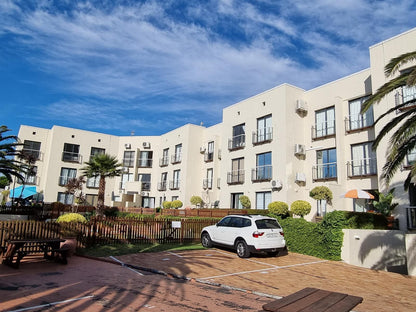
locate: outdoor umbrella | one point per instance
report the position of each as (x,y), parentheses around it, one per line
(22,192)
(356,193)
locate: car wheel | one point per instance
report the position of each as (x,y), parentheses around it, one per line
(272,253)
(242,249)
(206,240)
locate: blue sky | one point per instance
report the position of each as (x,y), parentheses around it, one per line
(117,66)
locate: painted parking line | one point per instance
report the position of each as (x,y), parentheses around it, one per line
(175,254)
(126,266)
(51,304)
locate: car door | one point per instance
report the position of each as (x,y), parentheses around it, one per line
(221,230)
(233,230)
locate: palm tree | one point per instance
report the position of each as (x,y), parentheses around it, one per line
(103,166)
(403,139)
(9,166)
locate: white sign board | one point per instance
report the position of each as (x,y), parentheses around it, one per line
(176,224)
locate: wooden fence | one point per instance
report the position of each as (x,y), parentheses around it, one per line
(108,231)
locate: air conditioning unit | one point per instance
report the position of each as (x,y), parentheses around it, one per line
(300,177)
(202,149)
(276,184)
(299,149)
(301,106)
(127,146)
(146,144)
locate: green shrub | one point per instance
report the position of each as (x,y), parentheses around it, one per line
(177,204)
(321,193)
(300,208)
(245,201)
(196,200)
(71,217)
(261,212)
(278,208)
(167,204)
(110,211)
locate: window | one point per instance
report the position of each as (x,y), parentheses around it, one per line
(264,130)
(410,158)
(239,138)
(326,164)
(324,123)
(237,171)
(66,175)
(91,199)
(128,159)
(96,151)
(93,182)
(164,161)
(406,95)
(162,183)
(125,177)
(174,185)
(263,199)
(71,153)
(31,148)
(177,157)
(209,155)
(263,171)
(29,177)
(364,161)
(148,202)
(411,211)
(321,205)
(161,200)
(235,201)
(145,181)
(207,183)
(357,120)
(175,198)
(66,199)
(145,159)
(360,204)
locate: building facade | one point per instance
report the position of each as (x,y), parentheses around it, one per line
(274,146)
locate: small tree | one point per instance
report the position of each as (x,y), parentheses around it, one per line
(321,193)
(245,201)
(384,204)
(278,208)
(300,208)
(177,204)
(167,204)
(74,186)
(196,200)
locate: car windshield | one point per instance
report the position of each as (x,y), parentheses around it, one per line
(267,224)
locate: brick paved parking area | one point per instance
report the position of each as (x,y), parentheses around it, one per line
(216,280)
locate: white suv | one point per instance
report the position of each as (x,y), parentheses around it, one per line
(246,234)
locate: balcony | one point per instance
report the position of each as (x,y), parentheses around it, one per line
(410,161)
(235,177)
(237,142)
(411,217)
(358,122)
(207,184)
(264,135)
(128,162)
(63,180)
(71,157)
(176,158)
(362,167)
(164,161)
(174,185)
(35,154)
(161,186)
(261,173)
(144,163)
(405,96)
(29,180)
(322,172)
(323,130)
(209,156)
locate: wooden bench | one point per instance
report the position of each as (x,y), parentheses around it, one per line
(16,249)
(312,300)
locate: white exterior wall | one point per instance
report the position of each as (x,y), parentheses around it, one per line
(289,128)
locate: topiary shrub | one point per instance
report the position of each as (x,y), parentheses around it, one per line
(177,204)
(321,193)
(300,208)
(245,201)
(196,200)
(278,208)
(71,217)
(167,204)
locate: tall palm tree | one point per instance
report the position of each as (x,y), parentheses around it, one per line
(103,166)
(9,166)
(403,140)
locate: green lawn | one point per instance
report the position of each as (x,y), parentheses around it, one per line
(125,249)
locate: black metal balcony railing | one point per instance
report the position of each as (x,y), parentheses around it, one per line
(358,122)
(63,180)
(261,173)
(92,183)
(128,162)
(326,171)
(71,157)
(323,130)
(146,186)
(36,154)
(406,95)
(176,158)
(207,184)
(237,142)
(174,185)
(29,180)
(411,217)
(209,156)
(263,135)
(164,161)
(145,163)
(161,186)
(362,167)
(235,177)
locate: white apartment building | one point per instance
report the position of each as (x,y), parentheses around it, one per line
(277,145)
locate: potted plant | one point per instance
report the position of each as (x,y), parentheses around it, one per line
(245,201)
(385,206)
(70,231)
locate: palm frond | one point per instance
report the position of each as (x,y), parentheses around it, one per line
(395,63)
